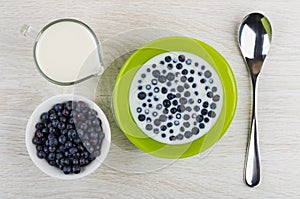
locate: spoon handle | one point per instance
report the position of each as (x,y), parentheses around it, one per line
(252,164)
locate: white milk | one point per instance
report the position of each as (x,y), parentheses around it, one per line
(67,51)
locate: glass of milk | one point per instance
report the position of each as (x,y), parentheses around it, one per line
(66,51)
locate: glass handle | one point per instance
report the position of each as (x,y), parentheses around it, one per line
(28,32)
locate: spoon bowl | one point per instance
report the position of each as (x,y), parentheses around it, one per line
(254,38)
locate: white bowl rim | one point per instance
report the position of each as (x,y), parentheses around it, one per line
(43,164)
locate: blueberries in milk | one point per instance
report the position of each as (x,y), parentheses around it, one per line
(177,97)
(69,136)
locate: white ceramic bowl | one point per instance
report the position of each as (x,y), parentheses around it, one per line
(42,164)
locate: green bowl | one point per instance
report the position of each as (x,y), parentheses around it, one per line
(121,103)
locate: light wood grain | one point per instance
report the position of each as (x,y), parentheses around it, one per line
(129,173)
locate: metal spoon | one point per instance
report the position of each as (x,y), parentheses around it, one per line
(254,37)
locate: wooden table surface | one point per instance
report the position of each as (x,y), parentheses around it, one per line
(128,172)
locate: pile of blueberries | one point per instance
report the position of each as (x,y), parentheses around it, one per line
(69,136)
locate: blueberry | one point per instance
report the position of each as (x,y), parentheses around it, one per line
(80,116)
(51,156)
(85,137)
(91,149)
(188,61)
(77,140)
(66,112)
(164,90)
(101,136)
(76,169)
(47,143)
(209,94)
(68,144)
(207,74)
(45,130)
(75,161)
(171,96)
(211,114)
(202,81)
(85,154)
(57,107)
(53,142)
(92,113)
(76,155)
(166,103)
(213,106)
(46,149)
(74,134)
(36,140)
(61,126)
(41,154)
(68,105)
(51,162)
(82,161)
(63,119)
(59,156)
(191,79)
(184,72)
(44,117)
(39,148)
(170,66)
(205,104)
(204,111)
(97,153)
(83,126)
(201,126)
(81,104)
(39,134)
(216,98)
(96,122)
(206,119)
(39,125)
(62,139)
(62,161)
(91,158)
(163,128)
(85,110)
(173,110)
(70,126)
(55,123)
(73,150)
(142,95)
(168,58)
(166,111)
(179,137)
(179,66)
(67,169)
(51,130)
(67,154)
(195,130)
(214,89)
(53,116)
(181,58)
(94,135)
(183,79)
(141,117)
(199,118)
(52,149)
